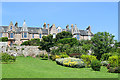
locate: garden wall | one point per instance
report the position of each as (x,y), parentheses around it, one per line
(3,46)
(25,50)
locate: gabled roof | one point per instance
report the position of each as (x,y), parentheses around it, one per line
(83,32)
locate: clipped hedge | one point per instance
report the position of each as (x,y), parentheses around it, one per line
(71,62)
(88,59)
(6,58)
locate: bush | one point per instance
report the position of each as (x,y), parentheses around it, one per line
(32,42)
(7,58)
(105,56)
(96,65)
(74,50)
(113,60)
(54,57)
(71,62)
(88,59)
(43,55)
(114,70)
(64,56)
(104,63)
(4,39)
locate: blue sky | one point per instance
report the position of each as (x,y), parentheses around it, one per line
(101,16)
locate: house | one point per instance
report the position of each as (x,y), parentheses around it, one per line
(17,35)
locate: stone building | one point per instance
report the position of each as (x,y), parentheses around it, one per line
(17,35)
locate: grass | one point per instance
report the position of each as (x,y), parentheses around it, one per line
(35,68)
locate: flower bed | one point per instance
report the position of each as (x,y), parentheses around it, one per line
(71,62)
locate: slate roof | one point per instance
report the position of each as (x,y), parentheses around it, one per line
(83,32)
(30,29)
(44,31)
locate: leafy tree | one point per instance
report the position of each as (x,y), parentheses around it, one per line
(82,42)
(46,43)
(86,47)
(63,34)
(118,44)
(70,41)
(103,42)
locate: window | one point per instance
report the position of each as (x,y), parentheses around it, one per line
(89,37)
(11,35)
(22,35)
(78,37)
(40,35)
(33,36)
(25,35)
(54,35)
(58,30)
(11,27)
(0,34)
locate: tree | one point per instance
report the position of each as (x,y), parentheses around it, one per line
(70,41)
(63,34)
(46,43)
(103,42)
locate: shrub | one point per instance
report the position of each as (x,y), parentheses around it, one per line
(96,65)
(88,59)
(114,70)
(43,55)
(54,57)
(105,56)
(7,58)
(113,60)
(32,42)
(104,63)
(71,62)
(64,56)
(4,39)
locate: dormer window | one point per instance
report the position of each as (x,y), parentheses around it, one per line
(11,28)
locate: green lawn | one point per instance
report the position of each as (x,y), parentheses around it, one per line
(35,68)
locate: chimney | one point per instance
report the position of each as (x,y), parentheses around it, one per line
(75,26)
(44,25)
(89,29)
(53,24)
(67,27)
(72,28)
(16,24)
(48,29)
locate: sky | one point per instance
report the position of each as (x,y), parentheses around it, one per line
(101,16)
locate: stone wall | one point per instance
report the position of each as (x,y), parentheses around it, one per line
(3,46)
(24,50)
